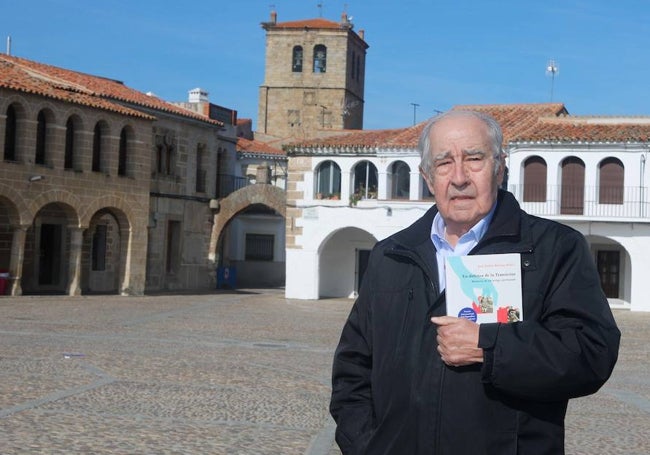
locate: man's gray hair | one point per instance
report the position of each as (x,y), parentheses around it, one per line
(494,132)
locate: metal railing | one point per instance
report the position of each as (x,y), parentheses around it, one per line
(588,201)
(228,184)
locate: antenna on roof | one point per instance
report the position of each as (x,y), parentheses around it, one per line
(320,9)
(415,106)
(552,69)
(9,45)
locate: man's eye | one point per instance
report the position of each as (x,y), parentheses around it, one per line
(443,163)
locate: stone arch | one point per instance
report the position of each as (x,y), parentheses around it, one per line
(268,195)
(105,272)
(342,257)
(23,215)
(68,201)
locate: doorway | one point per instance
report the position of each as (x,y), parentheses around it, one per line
(608,263)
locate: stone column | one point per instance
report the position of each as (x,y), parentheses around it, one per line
(17,258)
(74,262)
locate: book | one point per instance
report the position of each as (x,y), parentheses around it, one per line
(484,288)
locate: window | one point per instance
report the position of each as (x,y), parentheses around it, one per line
(165,154)
(535,179)
(10,135)
(400,180)
(201,172)
(320,58)
(68,160)
(97,149)
(296,60)
(259,247)
(573,186)
(328,181)
(99,248)
(123,153)
(41,136)
(611,181)
(365,181)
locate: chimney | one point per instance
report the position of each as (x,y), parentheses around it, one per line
(344,17)
(362,34)
(274,17)
(198,95)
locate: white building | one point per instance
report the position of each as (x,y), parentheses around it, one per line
(347,192)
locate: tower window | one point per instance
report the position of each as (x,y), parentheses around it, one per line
(296,65)
(320,58)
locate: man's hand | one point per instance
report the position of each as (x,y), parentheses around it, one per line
(458,341)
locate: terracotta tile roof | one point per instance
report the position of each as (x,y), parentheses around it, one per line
(516,119)
(545,122)
(580,129)
(80,88)
(257,148)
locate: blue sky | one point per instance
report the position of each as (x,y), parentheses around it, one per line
(430,52)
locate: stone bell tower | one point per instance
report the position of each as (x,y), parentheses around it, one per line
(313,77)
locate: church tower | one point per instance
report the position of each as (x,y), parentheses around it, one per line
(313,77)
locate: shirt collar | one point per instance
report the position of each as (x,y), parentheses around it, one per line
(476,233)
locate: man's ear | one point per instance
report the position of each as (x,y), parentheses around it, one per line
(427,179)
(502,169)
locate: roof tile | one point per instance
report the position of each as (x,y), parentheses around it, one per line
(66,85)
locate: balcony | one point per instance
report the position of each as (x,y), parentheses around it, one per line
(228,184)
(630,202)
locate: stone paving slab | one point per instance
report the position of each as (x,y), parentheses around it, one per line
(228,373)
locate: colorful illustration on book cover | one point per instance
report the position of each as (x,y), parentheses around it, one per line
(482,296)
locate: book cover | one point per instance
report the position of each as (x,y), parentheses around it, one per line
(484,288)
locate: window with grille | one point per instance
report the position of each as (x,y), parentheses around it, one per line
(259,247)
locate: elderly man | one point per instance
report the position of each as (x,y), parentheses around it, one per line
(410,379)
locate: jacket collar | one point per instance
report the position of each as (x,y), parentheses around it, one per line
(506,222)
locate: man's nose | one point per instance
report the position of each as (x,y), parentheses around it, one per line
(460,174)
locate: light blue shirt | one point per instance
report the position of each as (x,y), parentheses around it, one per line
(465,243)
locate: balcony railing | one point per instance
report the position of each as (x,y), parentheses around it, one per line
(588,201)
(227,184)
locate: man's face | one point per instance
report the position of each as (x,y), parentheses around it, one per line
(462,177)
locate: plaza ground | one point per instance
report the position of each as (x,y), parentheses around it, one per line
(224,373)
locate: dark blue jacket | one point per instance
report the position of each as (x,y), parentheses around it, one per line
(391,393)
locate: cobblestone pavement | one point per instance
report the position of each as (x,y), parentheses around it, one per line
(227,373)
